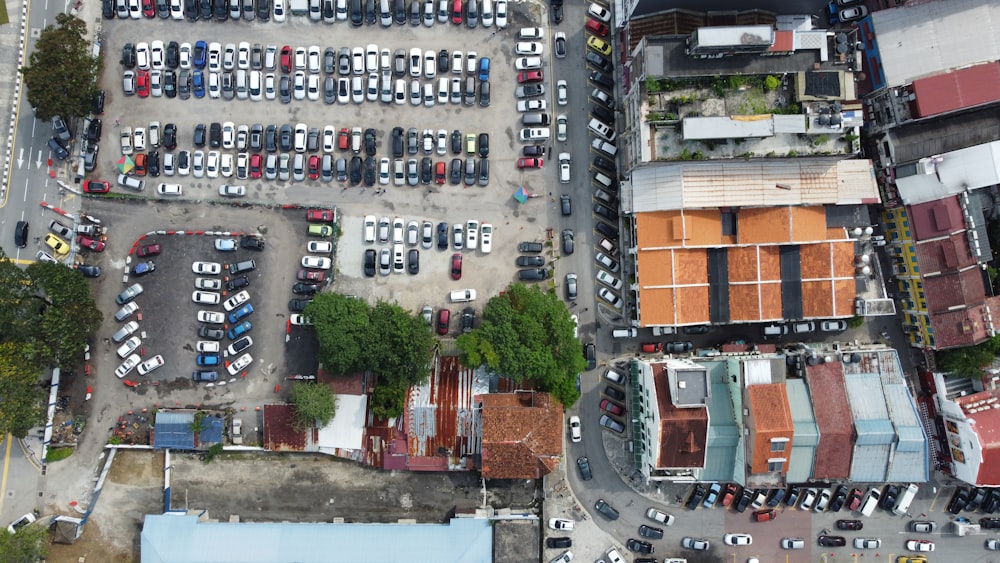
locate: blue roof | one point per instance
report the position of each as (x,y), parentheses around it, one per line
(173,431)
(212,434)
(176,538)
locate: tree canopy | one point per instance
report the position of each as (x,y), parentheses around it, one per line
(527,334)
(61,75)
(30,543)
(386,339)
(315,404)
(46,317)
(969,361)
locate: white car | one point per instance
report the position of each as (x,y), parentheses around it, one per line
(126,140)
(575,429)
(528,48)
(127,366)
(206,268)
(920,545)
(607,262)
(560,524)
(229,190)
(205,297)
(738,539)
(808,498)
(562,92)
(501,14)
(319,247)
(225,244)
(208,284)
(599,12)
(129,346)
(564,167)
(531,33)
(150,365)
(486,238)
(240,364)
(139,139)
(614,556)
(20,523)
(397,230)
(369,229)
(207,346)
(211,317)
(562,124)
(300,320)
(609,280)
(239,345)
(316,262)
(531,105)
(236,300)
(527,63)
(472,234)
(833,326)
(612,299)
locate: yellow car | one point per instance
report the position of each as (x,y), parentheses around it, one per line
(911,559)
(599,45)
(59,246)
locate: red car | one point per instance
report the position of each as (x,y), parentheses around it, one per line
(652,347)
(323,215)
(148,9)
(530,76)
(96,187)
(286,59)
(854,499)
(729,494)
(344,139)
(440,171)
(90,244)
(456,266)
(596,27)
(456,12)
(444,315)
(149,250)
(256,165)
(142,83)
(612,408)
(764,515)
(310,275)
(313,167)
(530,162)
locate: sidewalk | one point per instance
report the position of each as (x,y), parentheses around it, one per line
(11,36)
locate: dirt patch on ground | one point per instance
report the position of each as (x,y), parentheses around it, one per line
(139,469)
(90,547)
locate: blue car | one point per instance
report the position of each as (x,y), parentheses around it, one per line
(209,359)
(198,84)
(239,330)
(238,314)
(200,49)
(484,69)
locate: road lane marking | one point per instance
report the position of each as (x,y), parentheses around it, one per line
(6,466)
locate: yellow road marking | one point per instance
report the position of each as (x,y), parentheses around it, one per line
(6,466)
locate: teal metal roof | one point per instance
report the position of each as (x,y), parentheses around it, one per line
(180,538)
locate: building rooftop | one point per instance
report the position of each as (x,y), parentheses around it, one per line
(803,455)
(443,423)
(954,90)
(983,411)
(754,183)
(927,38)
(182,538)
(951,173)
(946,133)
(522,435)
(833,416)
(280,434)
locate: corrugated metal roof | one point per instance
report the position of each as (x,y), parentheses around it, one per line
(724,451)
(169,538)
(806,429)
(756,183)
(173,430)
(869,463)
(952,173)
(932,37)
(800,463)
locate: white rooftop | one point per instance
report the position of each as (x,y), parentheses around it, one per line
(952,173)
(932,37)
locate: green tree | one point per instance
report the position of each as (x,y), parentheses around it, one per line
(344,330)
(21,394)
(527,334)
(69,316)
(969,361)
(388,400)
(402,352)
(29,544)
(61,74)
(315,404)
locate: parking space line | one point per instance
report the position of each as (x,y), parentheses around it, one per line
(935,499)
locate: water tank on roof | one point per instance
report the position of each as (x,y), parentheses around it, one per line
(855,358)
(812,360)
(823,119)
(856,231)
(869,231)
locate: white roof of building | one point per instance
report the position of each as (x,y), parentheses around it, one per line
(932,37)
(662,186)
(952,173)
(742,126)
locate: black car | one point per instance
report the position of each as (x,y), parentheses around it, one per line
(853,525)
(614,393)
(413,261)
(839,498)
(533,150)
(97,103)
(651,532)
(638,546)
(558,542)
(597,61)
(605,212)
(976,497)
(697,495)
(745,498)
(210,333)
(369,170)
(567,241)
(355,170)
(989,523)
(369,263)
(153,163)
(94,131)
(252,243)
(397,142)
(21,234)
(215,135)
(958,500)
(426,170)
(298,305)
(532,247)
(602,79)
(442,235)
(238,282)
(603,113)
(775,497)
(992,501)
(173,54)
(108,9)
(468,319)
(584,465)
(590,353)
(601,162)
(199,135)
(264,10)
(191,10)
(530,261)
(456,142)
(370,142)
(170,136)
(792,496)
(455,171)
(607,230)
(306,288)
(533,274)
(696,329)
(832,541)
(128,55)
(557,13)
(606,509)
(205,9)
(484,145)
(89,271)
(889,497)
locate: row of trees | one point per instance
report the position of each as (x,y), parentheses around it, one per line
(46,318)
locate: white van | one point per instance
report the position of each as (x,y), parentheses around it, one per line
(870,502)
(630,332)
(774,331)
(131,182)
(903,503)
(604,146)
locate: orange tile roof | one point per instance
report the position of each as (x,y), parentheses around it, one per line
(770,417)
(809,224)
(522,435)
(744,301)
(759,225)
(692,305)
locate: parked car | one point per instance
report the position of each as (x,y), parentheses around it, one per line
(606,509)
